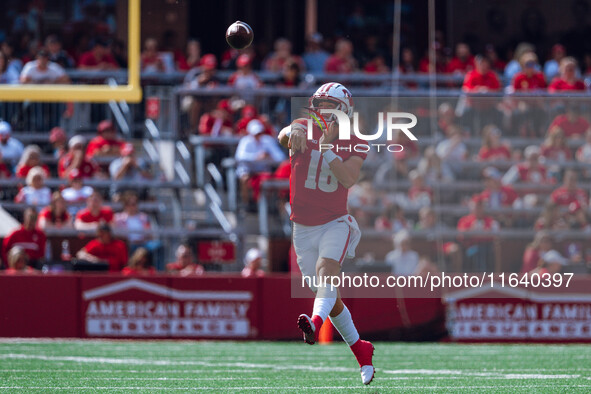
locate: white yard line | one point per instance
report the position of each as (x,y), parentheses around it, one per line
(192,371)
(111,371)
(152,379)
(135,361)
(481,374)
(422,372)
(276,388)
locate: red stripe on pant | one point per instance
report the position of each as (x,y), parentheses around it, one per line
(346,247)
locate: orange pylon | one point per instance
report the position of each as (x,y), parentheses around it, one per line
(326,332)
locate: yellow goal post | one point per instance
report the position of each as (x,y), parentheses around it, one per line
(132,92)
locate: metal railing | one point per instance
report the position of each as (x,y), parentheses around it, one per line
(117,110)
(200,146)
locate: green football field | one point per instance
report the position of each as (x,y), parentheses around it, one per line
(154,366)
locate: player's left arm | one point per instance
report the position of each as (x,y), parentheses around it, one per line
(347,172)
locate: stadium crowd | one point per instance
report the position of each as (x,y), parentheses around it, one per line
(557,156)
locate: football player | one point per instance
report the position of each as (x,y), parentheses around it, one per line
(323,232)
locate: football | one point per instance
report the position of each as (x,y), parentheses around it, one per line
(239,35)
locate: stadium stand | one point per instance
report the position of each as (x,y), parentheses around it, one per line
(194,115)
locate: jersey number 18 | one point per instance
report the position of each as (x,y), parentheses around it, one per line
(327,182)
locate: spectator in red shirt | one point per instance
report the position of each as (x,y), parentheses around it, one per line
(492,148)
(482,78)
(192,58)
(28,237)
(529,78)
(569,193)
(18,262)
(440,61)
(105,248)
(528,171)
(541,244)
(573,124)
(248,113)
(94,214)
(75,159)
(58,140)
(139,264)
(252,264)
(244,77)
(217,122)
(392,219)
(495,194)
(283,171)
(377,65)
(55,215)
(200,76)
(282,55)
(31,158)
(184,264)
(106,143)
(497,64)
(477,219)
(151,60)
(478,250)
(204,76)
(98,58)
(342,61)
(555,147)
(4,170)
(463,61)
(567,80)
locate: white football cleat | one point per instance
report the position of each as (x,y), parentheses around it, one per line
(367,373)
(363,351)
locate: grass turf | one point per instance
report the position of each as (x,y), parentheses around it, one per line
(153,366)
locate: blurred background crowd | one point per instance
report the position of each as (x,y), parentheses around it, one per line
(506,145)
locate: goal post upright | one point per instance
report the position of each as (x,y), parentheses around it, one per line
(132,92)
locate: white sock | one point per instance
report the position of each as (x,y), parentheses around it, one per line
(345,326)
(325,299)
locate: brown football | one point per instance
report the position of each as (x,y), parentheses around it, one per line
(239,35)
